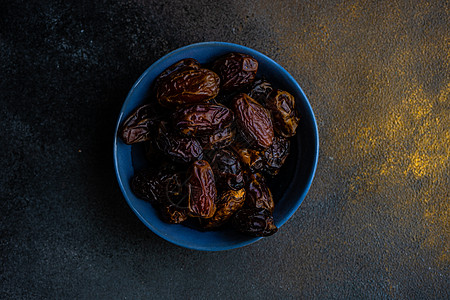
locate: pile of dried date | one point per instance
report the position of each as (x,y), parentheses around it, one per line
(211,133)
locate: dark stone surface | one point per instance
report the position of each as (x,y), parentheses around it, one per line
(375,223)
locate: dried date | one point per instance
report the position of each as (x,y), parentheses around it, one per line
(275,155)
(172,214)
(228,203)
(260,91)
(201,189)
(139,126)
(251,158)
(285,116)
(186,87)
(179,149)
(220,139)
(184,64)
(235,70)
(253,120)
(227,170)
(255,222)
(258,193)
(164,186)
(202,119)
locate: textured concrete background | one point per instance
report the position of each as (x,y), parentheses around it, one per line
(375,223)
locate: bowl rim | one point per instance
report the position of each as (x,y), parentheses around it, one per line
(311,174)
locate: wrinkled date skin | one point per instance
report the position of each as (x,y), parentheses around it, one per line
(139,126)
(235,70)
(186,87)
(202,119)
(201,189)
(227,170)
(172,214)
(228,203)
(162,187)
(254,222)
(260,91)
(252,159)
(275,155)
(184,64)
(258,193)
(254,121)
(179,149)
(285,116)
(218,140)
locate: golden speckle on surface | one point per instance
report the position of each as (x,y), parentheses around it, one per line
(377,76)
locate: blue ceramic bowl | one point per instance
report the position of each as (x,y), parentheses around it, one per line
(289,188)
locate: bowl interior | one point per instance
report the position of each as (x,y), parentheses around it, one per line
(289,188)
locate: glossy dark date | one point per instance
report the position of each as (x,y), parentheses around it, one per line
(236,70)
(220,139)
(275,155)
(179,149)
(258,193)
(253,120)
(285,116)
(139,126)
(260,91)
(201,189)
(184,64)
(228,203)
(255,222)
(202,119)
(164,186)
(251,158)
(172,214)
(186,87)
(227,170)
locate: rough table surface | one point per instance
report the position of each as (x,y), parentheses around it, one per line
(375,224)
